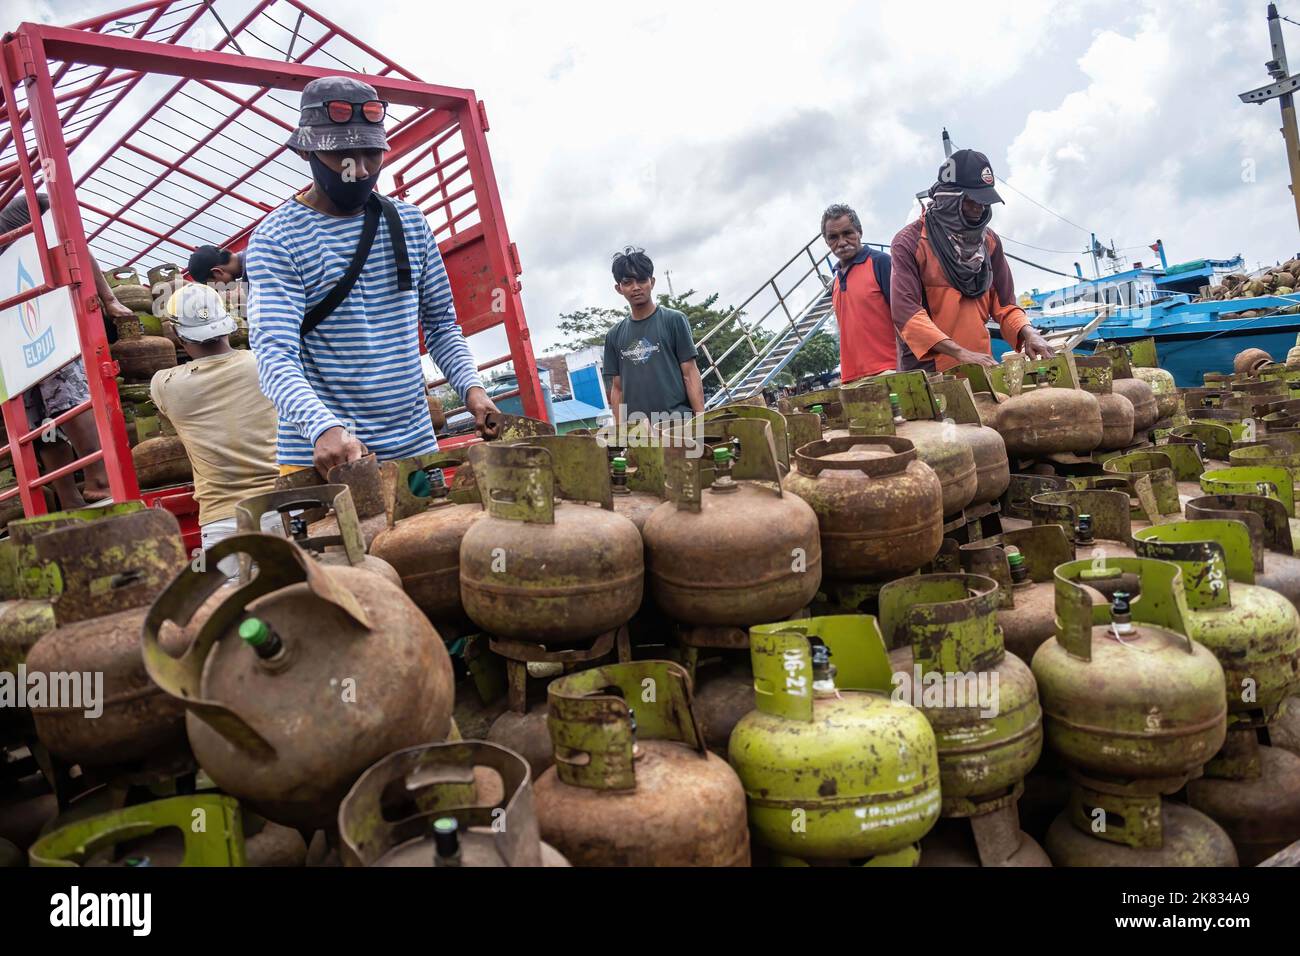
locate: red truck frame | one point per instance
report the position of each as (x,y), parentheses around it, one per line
(201,161)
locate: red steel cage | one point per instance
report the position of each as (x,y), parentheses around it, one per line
(159,128)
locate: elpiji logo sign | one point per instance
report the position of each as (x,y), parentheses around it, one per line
(40,342)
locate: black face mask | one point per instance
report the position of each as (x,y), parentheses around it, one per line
(347,195)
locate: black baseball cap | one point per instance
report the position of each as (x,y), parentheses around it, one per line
(970,172)
(204,259)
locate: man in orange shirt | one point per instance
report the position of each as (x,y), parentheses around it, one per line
(860,293)
(950,275)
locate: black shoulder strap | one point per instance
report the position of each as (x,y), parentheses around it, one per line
(375,205)
(883,267)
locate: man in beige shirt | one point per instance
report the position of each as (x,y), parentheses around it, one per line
(219,412)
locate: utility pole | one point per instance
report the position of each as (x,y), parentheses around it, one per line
(1283,88)
(669,276)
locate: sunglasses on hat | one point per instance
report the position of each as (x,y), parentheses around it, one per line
(342,111)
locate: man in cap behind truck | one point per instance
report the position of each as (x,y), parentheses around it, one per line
(950,275)
(335,326)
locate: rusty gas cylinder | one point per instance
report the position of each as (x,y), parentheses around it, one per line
(739,551)
(1116,421)
(1250,361)
(138,355)
(723,693)
(363,478)
(1285,729)
(527,733)
(424,533)
(869,409)
(873,789)
(1163,389)
(953,843)
(1135,708)
(633,783)
(343,548)
(543,569)
(1133,698)
(958,419)
(949,661)
(1145,410)
(162,460)
(1277,566)
(1188,839)
(111,569)
(1258,802)
(1253,631)
(300,679)
(879,508)
(1053,418)
(1096,376)
(461,804)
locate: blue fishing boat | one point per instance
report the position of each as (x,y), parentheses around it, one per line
(1191,337)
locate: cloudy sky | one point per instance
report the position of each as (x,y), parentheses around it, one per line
(714,133)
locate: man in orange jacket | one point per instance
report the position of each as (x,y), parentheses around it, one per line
(950,275)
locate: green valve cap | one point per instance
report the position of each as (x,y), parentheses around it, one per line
(254,632)
(1015,558)
(620,465)
(893,397)
(722,454)
(816,409)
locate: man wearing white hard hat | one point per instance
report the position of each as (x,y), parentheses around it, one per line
(219,412)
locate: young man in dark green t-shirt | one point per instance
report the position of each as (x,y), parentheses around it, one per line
(649,358)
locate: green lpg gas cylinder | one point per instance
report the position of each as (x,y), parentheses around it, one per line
(835,769)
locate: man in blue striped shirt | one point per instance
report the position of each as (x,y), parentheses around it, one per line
(353,384)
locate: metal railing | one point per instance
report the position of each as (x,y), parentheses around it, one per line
(802,290)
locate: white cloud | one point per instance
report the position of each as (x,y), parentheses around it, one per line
(714,133)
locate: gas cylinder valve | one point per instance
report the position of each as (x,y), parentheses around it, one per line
(896,407)
(722,481)
(1120,614)
(1019,570)
(618,476)
(446,842)
(256,634)
(1083,529)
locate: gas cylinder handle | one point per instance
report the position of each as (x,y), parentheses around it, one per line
(401,502)
(1270,481)
(949,620)
(1110,511)
(141,550)
(958,402)
(867,409)
(517,482)
(219,842)
(812,460)
(916,400)
(1265,517)
(500,426)
(775,419)
(280,564)
(1217,439)
(1211,553)
(336,498)
(1161,601)
(758,461)
(579,467)
(590,720)
(781,655)
(440,781)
